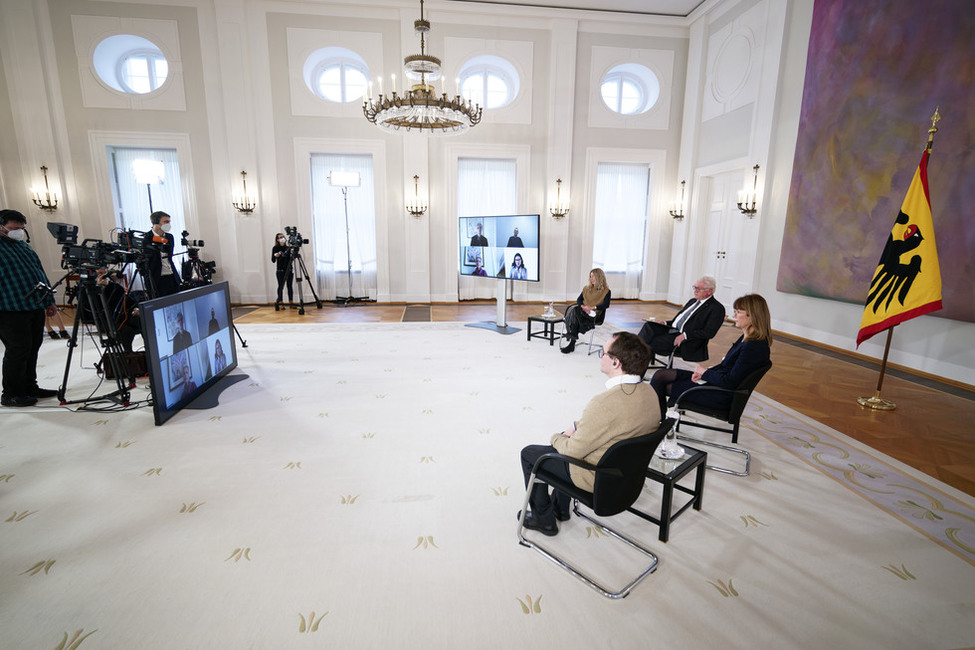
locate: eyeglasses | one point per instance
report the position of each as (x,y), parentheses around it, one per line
(601,352)
(697,288)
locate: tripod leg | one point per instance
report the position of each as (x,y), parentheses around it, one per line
(311,285)
(72,344)
(295,262)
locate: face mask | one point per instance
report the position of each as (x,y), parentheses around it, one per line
(17,235)
(166,227)
(281,240)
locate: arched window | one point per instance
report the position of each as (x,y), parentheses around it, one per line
(130,64)
(630,89)
(489,81)
(336,74)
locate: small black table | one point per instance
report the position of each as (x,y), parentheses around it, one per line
(548,328)
(668,472)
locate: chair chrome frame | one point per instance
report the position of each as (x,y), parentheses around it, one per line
(589,498)
(732,416)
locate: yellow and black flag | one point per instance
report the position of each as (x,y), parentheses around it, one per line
(907,282)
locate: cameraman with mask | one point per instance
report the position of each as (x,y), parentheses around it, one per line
(158,246)
(22,311)
(281,256)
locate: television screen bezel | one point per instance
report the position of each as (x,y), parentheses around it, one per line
(464,246)
(148,311)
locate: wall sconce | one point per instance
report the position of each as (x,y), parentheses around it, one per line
(746,199)
(243,203)
(49,202)
(677,208)
(559,208)
(416,207)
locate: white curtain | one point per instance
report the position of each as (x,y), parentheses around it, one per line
(485,187)
(132,198)
(331,250)
(619,235)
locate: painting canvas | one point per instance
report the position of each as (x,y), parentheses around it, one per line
(875,73)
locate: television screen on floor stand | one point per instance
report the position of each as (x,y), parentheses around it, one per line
(190,345)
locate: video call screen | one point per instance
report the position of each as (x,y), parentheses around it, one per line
(500,247)
(189,345)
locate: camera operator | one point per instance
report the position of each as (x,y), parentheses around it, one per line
(158,246)
(22,311)
(281,255)
(124,310)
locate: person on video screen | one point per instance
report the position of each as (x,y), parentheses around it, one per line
(479,267)
(219,358)
(518,270)
(189,386)
(479,239)
(182,339)
(515,241)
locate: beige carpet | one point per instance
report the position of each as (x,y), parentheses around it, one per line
(359,490)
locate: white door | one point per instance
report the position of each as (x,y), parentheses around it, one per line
(731,241)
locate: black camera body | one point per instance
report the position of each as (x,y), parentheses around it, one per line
(294,237)
(191,243)
(95,254)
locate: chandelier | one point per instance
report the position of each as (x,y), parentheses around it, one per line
(419,107)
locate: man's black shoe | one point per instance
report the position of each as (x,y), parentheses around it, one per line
(19,400)
(570,347)
(41,393)
(563,516)
(533,524)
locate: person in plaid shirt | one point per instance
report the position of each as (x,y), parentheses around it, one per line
(22,312)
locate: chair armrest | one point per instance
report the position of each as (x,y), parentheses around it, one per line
(573,461)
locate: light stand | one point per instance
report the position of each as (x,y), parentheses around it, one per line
(345,180)
(150,172)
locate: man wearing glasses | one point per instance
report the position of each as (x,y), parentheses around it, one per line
(691,329)
(626,409)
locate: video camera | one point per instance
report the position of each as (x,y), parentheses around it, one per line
(91,253)
(294,237)
(191,243)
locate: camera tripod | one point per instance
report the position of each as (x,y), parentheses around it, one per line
(299,271)
(91,298)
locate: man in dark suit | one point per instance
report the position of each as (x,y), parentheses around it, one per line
(691,329)
(515,241)
(479,239)
(158,247)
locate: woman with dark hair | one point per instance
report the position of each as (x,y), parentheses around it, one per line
(518,270)
(591,303)
(281,255)
(219,358)
(750,352)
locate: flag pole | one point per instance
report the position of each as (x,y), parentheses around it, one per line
(876,402)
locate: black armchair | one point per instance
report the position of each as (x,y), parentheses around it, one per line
(620,476)
(731,415)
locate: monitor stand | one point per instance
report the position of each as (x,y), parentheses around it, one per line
(500,324)
(211,396)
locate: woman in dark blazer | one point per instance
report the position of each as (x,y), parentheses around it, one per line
(750,352)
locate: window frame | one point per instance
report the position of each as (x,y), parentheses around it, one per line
(344,64)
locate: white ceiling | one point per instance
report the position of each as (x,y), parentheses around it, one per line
(648,7)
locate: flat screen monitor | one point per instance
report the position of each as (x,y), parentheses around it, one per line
(190,344)
(503,246)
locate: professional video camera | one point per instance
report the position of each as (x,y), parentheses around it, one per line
(294,237)
(195,271)
(91,253)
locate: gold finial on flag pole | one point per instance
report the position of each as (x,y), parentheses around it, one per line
(934,127)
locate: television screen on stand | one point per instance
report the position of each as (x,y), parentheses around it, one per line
(190,345)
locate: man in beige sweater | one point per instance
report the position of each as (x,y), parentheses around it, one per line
(626,409)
